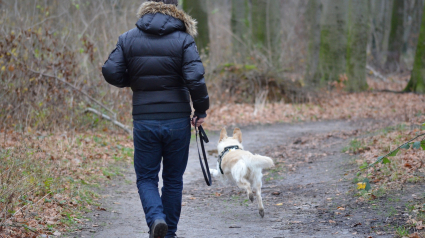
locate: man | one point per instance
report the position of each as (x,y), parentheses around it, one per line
(159,61)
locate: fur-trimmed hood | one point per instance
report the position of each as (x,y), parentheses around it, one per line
(169,10)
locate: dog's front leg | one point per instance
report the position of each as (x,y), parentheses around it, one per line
(214,172)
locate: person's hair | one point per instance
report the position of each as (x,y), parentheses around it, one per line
(175,2)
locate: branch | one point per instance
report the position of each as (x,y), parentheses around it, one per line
(376,73)
(379,160)
(76,89)
(117,123)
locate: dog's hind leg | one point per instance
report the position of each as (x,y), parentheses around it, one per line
(239,172)
(244,184)
(259,198)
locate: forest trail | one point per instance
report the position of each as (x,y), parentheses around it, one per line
(308,201)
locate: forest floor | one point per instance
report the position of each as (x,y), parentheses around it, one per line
(310,192)
(81,184)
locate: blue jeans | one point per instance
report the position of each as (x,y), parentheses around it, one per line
(167,140)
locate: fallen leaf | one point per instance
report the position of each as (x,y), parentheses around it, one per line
(361,186)
(341,208)
(331,221)
(101,209)
(279,204)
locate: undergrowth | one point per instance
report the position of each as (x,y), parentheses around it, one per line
(49,181)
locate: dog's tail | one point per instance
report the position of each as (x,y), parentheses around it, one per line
(263,162)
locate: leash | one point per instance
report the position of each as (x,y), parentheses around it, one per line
(203,138)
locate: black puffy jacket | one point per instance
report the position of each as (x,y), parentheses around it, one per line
(159,61)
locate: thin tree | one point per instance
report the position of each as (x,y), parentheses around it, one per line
(265,26)
(358,28)
(395,41)
(333,42)
(241,24)
(417,78)
(313,30)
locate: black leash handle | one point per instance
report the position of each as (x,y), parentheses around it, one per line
(203,138)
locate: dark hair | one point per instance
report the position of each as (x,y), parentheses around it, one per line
(175,2)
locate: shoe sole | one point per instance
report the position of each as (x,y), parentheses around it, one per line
(160,230)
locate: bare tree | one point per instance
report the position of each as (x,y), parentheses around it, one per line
(395,41)
(417,78)
(313,14)
(358,28)
(332,41)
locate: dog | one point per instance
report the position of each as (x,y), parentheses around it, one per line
(241,166)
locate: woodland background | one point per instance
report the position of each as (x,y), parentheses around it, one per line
(266,61)
(253,50)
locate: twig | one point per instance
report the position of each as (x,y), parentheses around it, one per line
(23,208)
(392,91)
(379,160)
(376,73)
(76,89)
(119,124)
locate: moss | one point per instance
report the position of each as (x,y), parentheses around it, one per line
(417,79)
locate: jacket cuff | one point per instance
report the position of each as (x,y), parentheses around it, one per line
(200,114)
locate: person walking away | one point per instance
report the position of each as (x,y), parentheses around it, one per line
(159,61)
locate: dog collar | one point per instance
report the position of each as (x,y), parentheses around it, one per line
(224,152)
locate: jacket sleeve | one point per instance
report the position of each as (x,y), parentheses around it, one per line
(115,68)
(193,74)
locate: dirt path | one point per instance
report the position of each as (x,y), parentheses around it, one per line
(306,198)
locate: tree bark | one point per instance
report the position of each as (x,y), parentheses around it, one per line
(197,9)
(313,28)
(219,21)
(395,42)
(266,27)
(417,78)
(332,41)
(241,25)
(381,22)
(358,29)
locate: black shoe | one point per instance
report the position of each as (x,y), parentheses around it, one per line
(159,229)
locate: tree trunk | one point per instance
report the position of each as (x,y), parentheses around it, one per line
(313,28)
(266,27)
(358,29)
(219,21)
(333,40)
(395,42)
(197,9)
(241,25)
(417,78)
(381,22)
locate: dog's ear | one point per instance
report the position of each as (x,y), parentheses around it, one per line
(237,134)
(223,134)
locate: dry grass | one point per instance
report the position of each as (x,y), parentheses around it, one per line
(48,181)
(406,167)
(385,106)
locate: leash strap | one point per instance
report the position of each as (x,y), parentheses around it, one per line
(203,138)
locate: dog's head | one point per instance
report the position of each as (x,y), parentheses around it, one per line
(226,141)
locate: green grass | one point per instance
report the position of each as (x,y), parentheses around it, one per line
(401,231)
(354,146)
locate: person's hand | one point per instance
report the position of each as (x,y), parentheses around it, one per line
(200,121)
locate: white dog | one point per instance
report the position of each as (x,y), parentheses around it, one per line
(240,166)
